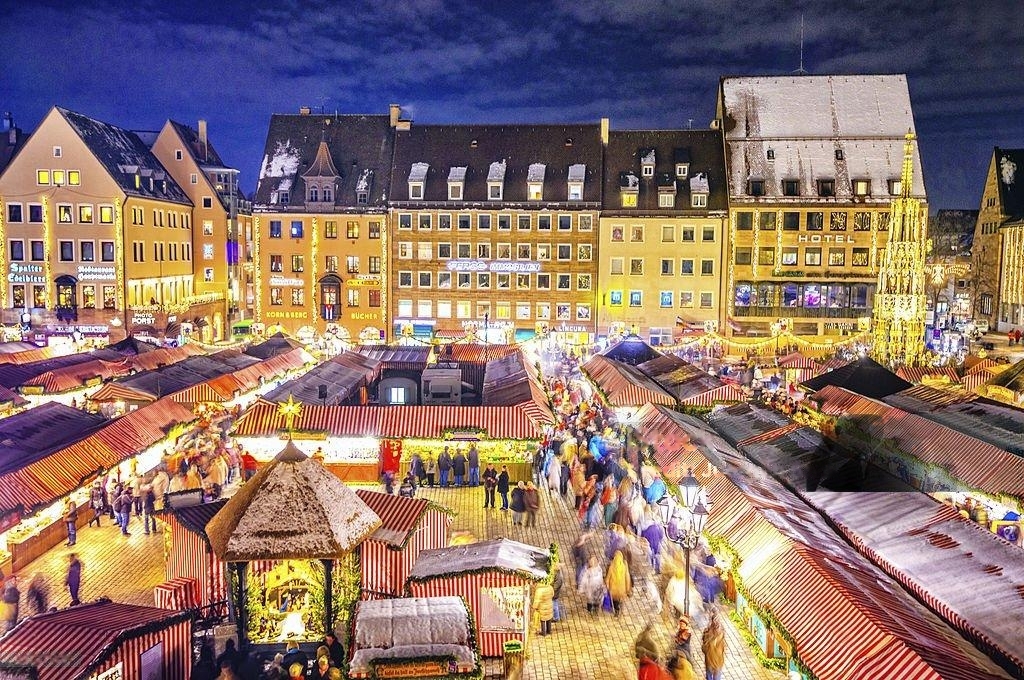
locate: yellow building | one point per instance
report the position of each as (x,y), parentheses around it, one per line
(96,233)
(813,164)
(495,231)
(320,224)
(997,252)
(662,234)
(221,217)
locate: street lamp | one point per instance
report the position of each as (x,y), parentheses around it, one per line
(684,524)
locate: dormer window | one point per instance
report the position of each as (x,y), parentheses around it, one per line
(363,186)
(826,187)
(647,158)
(895,187)
(496,181)
(314,194)
(283,197)
(577,173)
(456,183)
(629,189)
(362,197)
(861,187)
(666,199)
(790,187)
(328,195)
(699,190)
(681,158)
(755,187)
(417,178)
(682,170)
(839,155)
(666,190)
(535,181)
(771,154)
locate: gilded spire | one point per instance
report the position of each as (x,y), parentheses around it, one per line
(907,175)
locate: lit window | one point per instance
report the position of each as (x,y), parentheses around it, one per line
(58,178)
(275,228)
(896,187)
(861,187)
(74,178)
(64,215)
(330,229)
(106,214)
(667,200)
(699,201)
(43,177)
(629,199)
(636,298)
(296,229)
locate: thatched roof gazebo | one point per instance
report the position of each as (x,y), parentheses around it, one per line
(292,509)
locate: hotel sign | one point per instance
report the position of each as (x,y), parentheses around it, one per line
(25,273)
(500,266)
(827,238)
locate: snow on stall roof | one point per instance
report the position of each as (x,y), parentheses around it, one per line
(577,171)
(292,509)
(362,658)
(412,621)
(283,163)
(529,561)
(699,184)
(418,172)
(496,173)
(536,172)
(365,177)
(457,174)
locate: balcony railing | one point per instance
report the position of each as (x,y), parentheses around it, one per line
(802,312)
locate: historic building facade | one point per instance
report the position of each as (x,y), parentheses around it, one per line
(494,231)
(320,226)
(95,233)
(813,164)
(662,235)
(997,253)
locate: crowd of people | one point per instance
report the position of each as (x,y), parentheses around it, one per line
(290,664)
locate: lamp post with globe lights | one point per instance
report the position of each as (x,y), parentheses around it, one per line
(684,522)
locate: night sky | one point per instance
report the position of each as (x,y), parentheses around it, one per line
(641,63)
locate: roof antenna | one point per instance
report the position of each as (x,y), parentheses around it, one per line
(801,71)
(689,123)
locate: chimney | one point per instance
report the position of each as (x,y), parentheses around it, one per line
(604,131)
(202,139)
(8,123)
(304,110)
(395,111)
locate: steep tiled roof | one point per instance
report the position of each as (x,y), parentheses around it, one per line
(479,147)
(202,154)
(125,155)
(360,149)
(803,121)
(702,149)
(1010,166)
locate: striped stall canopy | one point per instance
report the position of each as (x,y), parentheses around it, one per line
(408,526)
(793,564)
(177,593)
(975,463)
(982,364)
(972,381)
(831,365)
(729,393)
(918,374)
(624,385)
(251,377)
(113,391)
(46,480)
(471,352)
(203,392)
(798,360)
(84,641)
(190,554)
(74,377)
(36,354)
(427,422)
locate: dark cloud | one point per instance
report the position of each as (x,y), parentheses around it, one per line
(642,64)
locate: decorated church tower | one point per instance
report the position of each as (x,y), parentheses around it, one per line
(900,303)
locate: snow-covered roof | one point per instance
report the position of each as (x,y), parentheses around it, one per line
(699,184)
(577,172)
(292,509)
(496,173)
(805,120)
(647,156)
(457,174)
(500,554)
(629,180)
(412,621)
(536,172)
(418,172)
(365,179)
(284,162)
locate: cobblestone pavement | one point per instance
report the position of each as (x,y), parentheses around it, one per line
(582,645)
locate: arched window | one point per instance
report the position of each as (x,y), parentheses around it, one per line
(327,195)
(313,194)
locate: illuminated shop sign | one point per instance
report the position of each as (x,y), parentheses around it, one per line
(25,273)
(90,273)
(282,281)
(827,238)
(493,266)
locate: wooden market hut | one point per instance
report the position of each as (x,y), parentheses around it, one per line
(293,517)
(408,527)
(190,555)
(495,577)
(104,639)
(414,636)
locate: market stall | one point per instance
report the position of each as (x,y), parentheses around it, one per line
(287,533)
(189,554)
(496,578)
(422,637)
(408,526)
(103,641)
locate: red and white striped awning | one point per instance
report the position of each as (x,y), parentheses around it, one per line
(623,385)
(117,392)
(399,515)
(917,374)
(729,393)
(425,422)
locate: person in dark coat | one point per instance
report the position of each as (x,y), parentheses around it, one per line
(416,468)
(334,649)
(74,578)
(474,465)
(229,655)
(444,466)
(502,486)
(490,482)
(71,521)
(518,503)
(459,468)
(294,655)
(532,499)
(97,501)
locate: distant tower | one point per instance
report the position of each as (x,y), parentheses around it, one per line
(899,313)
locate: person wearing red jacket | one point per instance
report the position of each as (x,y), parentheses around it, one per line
(249,466)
